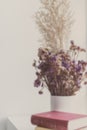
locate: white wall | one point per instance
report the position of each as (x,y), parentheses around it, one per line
(18,48)
(78,30)
(18,43)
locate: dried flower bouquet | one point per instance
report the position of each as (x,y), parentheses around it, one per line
(57,69)
(60,72)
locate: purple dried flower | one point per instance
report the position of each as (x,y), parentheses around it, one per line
(53,58)
(86,74)
(72,42)
(78,82)
(44,66)
(58,77)
(40,92)
(41,65)
(65,64)
(73,61)
(37,83)
(78,68)
(85,82)
(43,53)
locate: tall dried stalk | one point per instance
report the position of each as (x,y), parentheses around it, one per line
(54,22)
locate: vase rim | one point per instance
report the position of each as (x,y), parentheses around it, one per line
(64,96)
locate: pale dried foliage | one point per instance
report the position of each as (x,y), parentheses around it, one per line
(54,20)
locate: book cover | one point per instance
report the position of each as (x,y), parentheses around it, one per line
(56,119)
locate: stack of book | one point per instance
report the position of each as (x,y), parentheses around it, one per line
(56,120)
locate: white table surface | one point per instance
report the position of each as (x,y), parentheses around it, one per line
(21,122)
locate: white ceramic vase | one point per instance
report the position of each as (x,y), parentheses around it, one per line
(73,104)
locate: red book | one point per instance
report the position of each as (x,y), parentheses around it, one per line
(63,120)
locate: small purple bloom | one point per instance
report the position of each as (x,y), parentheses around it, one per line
(41,65)
(58,77)
(78,68)
(64,64)
(73,61)
(51,70)
(37,83)
(53,58)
